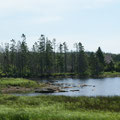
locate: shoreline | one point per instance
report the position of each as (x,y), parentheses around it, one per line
(68,75)
(21,85)
(74,75)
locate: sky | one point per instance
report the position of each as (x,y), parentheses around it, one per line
(94,23)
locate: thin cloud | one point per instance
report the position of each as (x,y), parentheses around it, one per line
(48,7)
(31,5)
(45,19)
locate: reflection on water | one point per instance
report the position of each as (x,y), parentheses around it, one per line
(99,87)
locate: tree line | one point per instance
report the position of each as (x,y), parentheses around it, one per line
(46,58)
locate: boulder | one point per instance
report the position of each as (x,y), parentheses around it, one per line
(45,90)
(62,91)
(74,90)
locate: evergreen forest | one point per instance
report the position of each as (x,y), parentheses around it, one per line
(46,58)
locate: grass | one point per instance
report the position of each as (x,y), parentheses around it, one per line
(19,85)
(59,108)
(63,74)
(103,75)
(55,107)
(111,74)
(6,82)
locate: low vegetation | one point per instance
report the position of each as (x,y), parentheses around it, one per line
(111,74)
(7,82)
(76,75)
(18,85)
(59,108)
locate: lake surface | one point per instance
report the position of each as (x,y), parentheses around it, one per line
(98,87)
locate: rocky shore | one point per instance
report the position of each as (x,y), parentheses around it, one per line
(48,87)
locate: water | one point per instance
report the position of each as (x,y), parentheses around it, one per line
(98,87)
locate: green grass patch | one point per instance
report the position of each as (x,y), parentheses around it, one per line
(6,82)
(86,75)
(63,74)
(59,108)
(111,74)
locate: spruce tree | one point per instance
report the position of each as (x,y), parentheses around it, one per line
(100,57)
(65,56)
(42,47)
(82,60)
(24,57)
(95,65)
(110,67)
(13,56)
(6,60)
(49,56)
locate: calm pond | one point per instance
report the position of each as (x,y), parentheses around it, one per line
(96,87)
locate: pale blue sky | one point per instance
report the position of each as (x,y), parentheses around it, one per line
(92,22)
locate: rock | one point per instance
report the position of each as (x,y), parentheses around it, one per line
(74,86)
(49,90)
(62,91)
(17,88)
(58,84)
(74,90)
(68,87)
(93,85)
(44,90)
(84,85)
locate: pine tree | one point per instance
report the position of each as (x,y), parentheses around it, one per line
(100,57)
(42,48)
(95,65)
(60,59)
(72,58)
(13,56)
(6,60)
(49,56)
(65,56)
(82,60)
(34,60)
(24,57)
(110,67)
(54,54)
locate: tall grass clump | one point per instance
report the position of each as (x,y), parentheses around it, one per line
(59,108)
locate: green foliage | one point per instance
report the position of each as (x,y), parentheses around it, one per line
(118,67)
(16,60)
(110,74)
(82,60)
(110,67)
(60,59)
(1,72)
(59,108)
(65,56)
(49,57)
(95,65)
(100,56)
(5,82)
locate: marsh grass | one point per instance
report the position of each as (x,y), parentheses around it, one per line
(55,107)
(21,82)
(59,108)
(87,75)
(111,74)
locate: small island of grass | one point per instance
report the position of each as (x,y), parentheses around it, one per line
(15,85)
